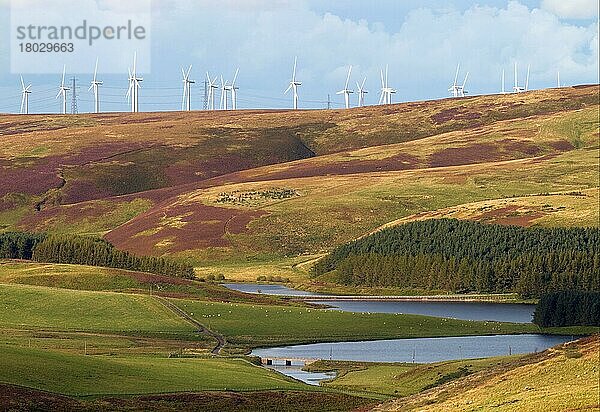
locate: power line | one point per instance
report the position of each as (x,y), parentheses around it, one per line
(74,96)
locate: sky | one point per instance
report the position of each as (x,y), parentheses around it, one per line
(420,41)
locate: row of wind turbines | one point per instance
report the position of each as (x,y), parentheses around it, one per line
(229,90)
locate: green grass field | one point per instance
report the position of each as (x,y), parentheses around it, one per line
(95,375)
(564,378)
(401,379)
(34,308)
(256,325)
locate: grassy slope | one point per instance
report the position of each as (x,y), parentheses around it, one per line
(562,378)
(91,375)
(462,131)
(400,379)
(92,278)
(254,325)
(31,307)
(358,203)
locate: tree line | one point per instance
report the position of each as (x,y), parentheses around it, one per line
(568,308)
(463,256)
(83,250)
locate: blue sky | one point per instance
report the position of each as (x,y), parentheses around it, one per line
(421,41)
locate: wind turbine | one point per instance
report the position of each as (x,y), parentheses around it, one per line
(212,87)
(558,78)
(462,88)
(346,92)
(134,85)
(62,91)
(294,84)
(457,90)
(361,92)
(94,85)
(224,88)
(233,89)
(517,88)
(386,91)
(186,103)
(503,89)
(25,99)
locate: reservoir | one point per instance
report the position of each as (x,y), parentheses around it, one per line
(499,312)
(417,350)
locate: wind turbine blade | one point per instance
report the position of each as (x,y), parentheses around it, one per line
(59,93)
(208,77)
(386,75)
(91,87)
(288,89)
(456,75)
(465,82)
(294,72)
(382,80)
(96,69)
(187,75)
(348,78)
(63,77)
(22,83)
(134,62)
(358,87)
(183,74)
(362,86)
(235,77)
(183,99)
(527,80)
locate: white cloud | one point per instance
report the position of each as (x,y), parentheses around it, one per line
(422,53)
(572,9)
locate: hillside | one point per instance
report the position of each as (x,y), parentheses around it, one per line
(226,188)
(539,383)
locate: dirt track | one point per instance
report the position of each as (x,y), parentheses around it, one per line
(201,328)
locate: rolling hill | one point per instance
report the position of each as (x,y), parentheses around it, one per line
(253,186)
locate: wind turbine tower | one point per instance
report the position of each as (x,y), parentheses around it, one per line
(458,90)
(62,91)
(521,89)
(361,92)
(346,92)
(186,104)
(233,89)
(134,86)
(212,87)
(25,98)
(558,78)
(94,86)
(224,91)
(294,84)
(386,90)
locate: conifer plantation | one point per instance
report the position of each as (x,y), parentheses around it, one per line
(463,256)
(83,250)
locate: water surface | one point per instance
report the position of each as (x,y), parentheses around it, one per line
(267,289)
(499,312)
(419,350)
